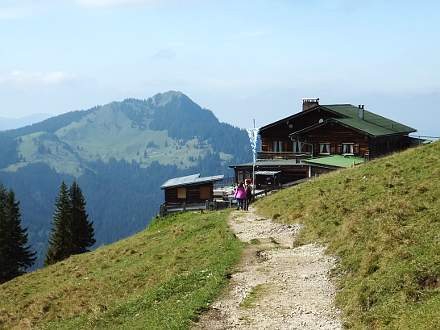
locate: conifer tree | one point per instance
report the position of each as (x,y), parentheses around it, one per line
(82,229)
(60,241)
(15,255)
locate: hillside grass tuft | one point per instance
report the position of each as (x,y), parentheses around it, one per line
(161,278)
(383,221)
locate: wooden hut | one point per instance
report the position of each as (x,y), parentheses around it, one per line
(190,192)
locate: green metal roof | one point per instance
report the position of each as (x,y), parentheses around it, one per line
(336,161)
(364,126)
(371,123)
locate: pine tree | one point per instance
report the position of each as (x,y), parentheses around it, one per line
(60,242)
(4,238)
(15,256)
(82,229)
(72,232)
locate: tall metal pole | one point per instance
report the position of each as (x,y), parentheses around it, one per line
(253,166)
(253,136)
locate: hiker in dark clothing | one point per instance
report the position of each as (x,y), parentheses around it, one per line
(248,195)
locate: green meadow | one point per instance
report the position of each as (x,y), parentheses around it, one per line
(160,278)
(383,222)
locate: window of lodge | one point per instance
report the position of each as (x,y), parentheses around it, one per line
(277,146)
(348,148)
(324,148)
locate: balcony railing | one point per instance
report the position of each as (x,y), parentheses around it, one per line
(282,155)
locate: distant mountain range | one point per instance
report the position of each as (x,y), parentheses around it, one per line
(120,153)
(12,123)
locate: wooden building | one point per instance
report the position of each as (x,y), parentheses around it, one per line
(343,134)
(287,170)
(189,192)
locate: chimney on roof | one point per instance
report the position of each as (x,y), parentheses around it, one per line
(361,111)
(309,103)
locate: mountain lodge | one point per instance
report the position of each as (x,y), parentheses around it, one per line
(322,138)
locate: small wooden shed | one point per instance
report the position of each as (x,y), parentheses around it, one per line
(191,189)
(267,179)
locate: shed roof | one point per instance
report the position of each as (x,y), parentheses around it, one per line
(269,173)
(190,180)
(336,161)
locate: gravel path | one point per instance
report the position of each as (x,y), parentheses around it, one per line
(276,286)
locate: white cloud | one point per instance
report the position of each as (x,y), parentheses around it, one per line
(23,78)
(112,3)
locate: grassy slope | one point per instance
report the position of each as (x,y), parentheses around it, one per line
(104,135)
(383,220)
(159,278)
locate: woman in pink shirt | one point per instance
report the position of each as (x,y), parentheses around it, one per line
(240,196)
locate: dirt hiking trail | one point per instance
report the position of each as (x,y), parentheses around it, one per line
(276,285)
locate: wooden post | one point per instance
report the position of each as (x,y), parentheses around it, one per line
(163,210)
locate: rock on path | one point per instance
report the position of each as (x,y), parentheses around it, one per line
(290,287)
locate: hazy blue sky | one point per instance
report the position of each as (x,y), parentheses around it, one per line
(241,59)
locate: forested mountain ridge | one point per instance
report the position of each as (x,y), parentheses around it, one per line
(119,153)
(168,128)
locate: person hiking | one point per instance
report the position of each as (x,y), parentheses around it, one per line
(240,196)
(248,189)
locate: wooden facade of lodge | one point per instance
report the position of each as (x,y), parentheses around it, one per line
(322,138)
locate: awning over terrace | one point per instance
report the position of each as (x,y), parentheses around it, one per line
(335,161)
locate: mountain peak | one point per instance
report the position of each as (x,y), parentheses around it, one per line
(163,99)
